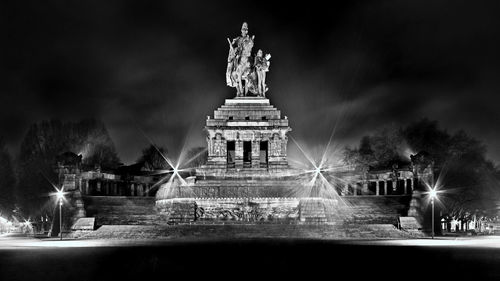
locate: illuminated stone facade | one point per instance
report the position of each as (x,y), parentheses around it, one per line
(247,133)
(247,178)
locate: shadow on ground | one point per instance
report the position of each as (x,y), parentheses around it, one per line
(255,259)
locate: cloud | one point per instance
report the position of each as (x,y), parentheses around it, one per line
(160,66)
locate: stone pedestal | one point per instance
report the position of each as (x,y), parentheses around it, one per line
(177,211)
(247,119)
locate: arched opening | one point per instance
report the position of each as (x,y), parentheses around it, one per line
(247,154)
(409,187)
(263,154)
(400,189)
(389,187)
(372,188)
(381,188)
(359,189)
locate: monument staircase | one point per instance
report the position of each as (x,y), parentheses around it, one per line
(358,210)
(245,231)
(122,210)
(362,217)
(377,209)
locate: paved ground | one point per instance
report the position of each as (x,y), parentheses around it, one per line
(475,258)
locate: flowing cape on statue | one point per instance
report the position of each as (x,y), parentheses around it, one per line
(230,67)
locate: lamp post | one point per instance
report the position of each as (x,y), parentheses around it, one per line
(433,194)
(60,196)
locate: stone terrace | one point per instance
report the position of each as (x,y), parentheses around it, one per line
(377,209)
(114,210)
(241,231)
(119,210)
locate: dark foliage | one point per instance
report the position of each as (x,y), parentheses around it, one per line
(7,182)
(196,157)
(40,147)
(469,183)
(153,158)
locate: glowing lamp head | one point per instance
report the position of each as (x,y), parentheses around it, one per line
(60,194)
(175,171)
(433,193)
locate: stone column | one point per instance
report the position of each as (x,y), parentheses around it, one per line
(385,187)
(406,186)
(355,189)
(283,147)
(238,154)
(86,184)
(412,184)
(132,189)
(377,188)
(79,185)
(210,148)
(255,154)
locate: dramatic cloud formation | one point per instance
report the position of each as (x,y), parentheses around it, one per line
(159,67)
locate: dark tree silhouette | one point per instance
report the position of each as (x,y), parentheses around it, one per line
(379,150)
(7,181)
(40,147)
(425,135)
(469,181)
(196,157)
(153,158)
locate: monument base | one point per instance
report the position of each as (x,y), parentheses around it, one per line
(250,210)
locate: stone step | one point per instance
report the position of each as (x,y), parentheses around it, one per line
(119,210)
(248,183)
(361,210)
(236,231)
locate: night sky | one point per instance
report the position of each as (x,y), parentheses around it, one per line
(159,67)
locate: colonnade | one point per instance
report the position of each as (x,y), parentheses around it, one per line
(378,187)
(114,188)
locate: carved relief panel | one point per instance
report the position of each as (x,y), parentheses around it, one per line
(275,149)
(219,145)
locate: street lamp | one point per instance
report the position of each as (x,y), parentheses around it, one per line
(432,194)
(60,197)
